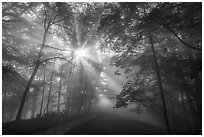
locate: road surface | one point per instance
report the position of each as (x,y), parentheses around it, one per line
(110,124)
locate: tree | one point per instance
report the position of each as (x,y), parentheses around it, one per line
(43,91)
(47,23)
(127,30)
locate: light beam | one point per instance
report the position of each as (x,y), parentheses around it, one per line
(81,53)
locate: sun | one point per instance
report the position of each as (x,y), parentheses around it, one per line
(81,53)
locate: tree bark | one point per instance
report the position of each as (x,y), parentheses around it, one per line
(50,89)
(68,89)
(41,106)
(160,83)
(4,104)
(89,104)
(158,77)
(172,109)
(34,100)
(60,84)
(176,35)
(28,84)
(184,111)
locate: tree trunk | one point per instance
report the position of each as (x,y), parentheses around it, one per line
(41,106)
(184,112)
(58,105)
(188,92)
(25,110)
(34,100)
(89,104)
(27,90)
(50,89)
(160,83)
(4,104)
(80,88)
(68,89)
(28,84)
(173,112)
(158,77)
(198,100)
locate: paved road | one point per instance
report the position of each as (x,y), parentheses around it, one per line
(110,124)
(61,129)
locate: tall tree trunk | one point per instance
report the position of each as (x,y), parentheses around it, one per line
(58,104)
(188,91)
(27,87)
(158,77)
(198,100)
(28,84)
(43,91)
(85,91)
(184,112)
(50,88)
(4,104)
(92,89)
(173,112)
(68,89)
(80,88)
(160,83)
(34,101)
(25,110)
(89,104)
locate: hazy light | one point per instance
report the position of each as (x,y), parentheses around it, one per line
(101,95)
(58,78)
(105,103)
(81,53)
(103,83)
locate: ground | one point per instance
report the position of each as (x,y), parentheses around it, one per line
(110,124)
(103,123)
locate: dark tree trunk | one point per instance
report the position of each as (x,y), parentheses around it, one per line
(158,77)
(25,110)
(68,92)
(50,90)
(27,87)
(28,84)
(188,91)
(80,88)
(173,112)
(34,101)
(160,83)
(58,104)
(184,112)
(198,100)
(43,91)
(68,89)
(89,104)
(4,104)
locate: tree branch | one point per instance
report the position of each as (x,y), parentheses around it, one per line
(57,58)
(57,21)
(47,46)
(186,44)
